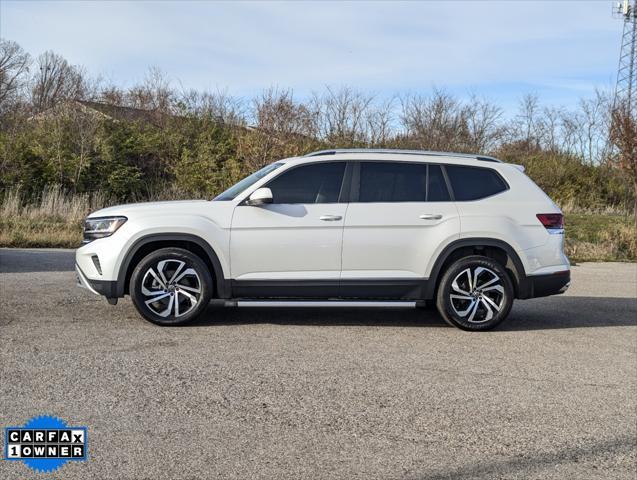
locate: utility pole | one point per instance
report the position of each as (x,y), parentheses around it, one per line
(626,88)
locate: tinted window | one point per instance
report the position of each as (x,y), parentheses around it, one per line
(393,182)
(237,188)
(401,182)
(471,183)
(315,183)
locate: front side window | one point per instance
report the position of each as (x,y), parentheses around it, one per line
(314,183)
(402,182)
(474,183)
(239,187)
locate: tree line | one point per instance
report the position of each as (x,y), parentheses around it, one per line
(59,125)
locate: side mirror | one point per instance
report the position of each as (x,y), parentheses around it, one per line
(261,196)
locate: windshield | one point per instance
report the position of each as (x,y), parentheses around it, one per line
(239,187)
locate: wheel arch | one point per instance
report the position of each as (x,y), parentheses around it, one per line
(489,247)
(193,243)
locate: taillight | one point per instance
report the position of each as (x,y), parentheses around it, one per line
(551,221)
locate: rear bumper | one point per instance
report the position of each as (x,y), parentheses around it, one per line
(534,286)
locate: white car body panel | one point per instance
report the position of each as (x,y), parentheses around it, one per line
(370,240)
(207,220)
(390,240)
(287,241)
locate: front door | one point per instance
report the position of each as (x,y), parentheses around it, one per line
(292,247)
(400,213)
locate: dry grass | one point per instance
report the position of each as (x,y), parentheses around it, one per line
(596,237)
(570,207)
(55,220)
(54,203)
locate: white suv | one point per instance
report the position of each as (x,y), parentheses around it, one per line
(373,228)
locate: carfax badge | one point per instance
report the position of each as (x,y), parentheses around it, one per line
(45,443)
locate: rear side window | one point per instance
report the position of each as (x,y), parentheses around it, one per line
(401,182)
(474,183)
(393,182)
(314,183)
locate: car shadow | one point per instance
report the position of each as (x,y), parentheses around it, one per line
(356,316)
(531,464)
(571,312)
(536,314)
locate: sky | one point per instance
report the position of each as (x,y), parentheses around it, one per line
(499,50)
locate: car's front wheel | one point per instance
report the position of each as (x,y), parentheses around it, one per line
(171,286)
(475,293)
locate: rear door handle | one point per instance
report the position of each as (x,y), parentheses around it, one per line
(431,216)
(330,218)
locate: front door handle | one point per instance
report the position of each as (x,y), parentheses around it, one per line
(431,216)
(330,218)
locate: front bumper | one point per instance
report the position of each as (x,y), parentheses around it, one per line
(106,288)
(82,281)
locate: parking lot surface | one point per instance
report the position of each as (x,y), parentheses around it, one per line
(278,394)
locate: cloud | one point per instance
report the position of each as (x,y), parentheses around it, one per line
(562,48)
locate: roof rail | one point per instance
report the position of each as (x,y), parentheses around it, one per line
(335,151)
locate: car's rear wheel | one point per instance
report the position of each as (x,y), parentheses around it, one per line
(171,286)
(475,293)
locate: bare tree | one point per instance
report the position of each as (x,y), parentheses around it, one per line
(484,128)
(551,127)
(55,80)
(341,116)
(112,95)
(217,105)
(593,113)
(277,112)
(83,140)
(154,93)
(582,131)
(380,123)
(527,126)
(283,127)
(437,122)
(14,64)
(569,128)
(623,136)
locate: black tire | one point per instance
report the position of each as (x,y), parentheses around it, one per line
(475,307)
(187,277)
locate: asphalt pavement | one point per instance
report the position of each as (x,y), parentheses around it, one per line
(338,394)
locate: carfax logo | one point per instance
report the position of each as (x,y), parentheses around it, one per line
(45,443)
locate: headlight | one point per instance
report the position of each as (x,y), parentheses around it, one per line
(101,227)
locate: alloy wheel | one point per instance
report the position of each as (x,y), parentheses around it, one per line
(477,294)
(171,288)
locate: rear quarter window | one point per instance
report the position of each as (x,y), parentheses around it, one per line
(474,183)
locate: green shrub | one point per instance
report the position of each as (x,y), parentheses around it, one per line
(573,184)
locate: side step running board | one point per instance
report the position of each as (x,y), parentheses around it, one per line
(325,303)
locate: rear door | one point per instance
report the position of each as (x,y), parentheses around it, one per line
(292,247)
(400,213)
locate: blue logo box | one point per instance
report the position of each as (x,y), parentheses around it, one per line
(45,443)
